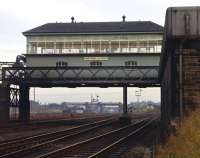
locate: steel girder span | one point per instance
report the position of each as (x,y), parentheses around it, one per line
(142,76)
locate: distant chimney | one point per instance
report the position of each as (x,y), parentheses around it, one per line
(123,18)
(72,18)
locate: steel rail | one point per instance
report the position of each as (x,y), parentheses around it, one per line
(67,121)
(95,143)
(121,142)
(20,145)
(50,143)
(51,121)
(77,121)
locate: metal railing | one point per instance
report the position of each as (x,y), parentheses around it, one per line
(81,75)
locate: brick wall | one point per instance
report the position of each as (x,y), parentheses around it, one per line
(191,79)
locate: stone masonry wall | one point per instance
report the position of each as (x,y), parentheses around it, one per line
(191,79)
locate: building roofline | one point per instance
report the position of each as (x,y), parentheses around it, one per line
(93,33)
(93,54)
(96,28)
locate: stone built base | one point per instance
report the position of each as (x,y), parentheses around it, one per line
(4,103)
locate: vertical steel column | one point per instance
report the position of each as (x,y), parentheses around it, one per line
(24,104)
(125,100)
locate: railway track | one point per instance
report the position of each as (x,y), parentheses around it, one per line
(34,124)
(21,131)
(90,140)
(100,145)
(23,146)
(118,148)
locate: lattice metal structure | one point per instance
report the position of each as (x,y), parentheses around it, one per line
(14,103)
(14,97)
(7,64)
(82,76)
(14,91)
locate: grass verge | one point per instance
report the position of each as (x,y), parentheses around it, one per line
(186,142)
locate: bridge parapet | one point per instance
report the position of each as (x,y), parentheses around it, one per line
(182,21)
(179,71)
(181,31)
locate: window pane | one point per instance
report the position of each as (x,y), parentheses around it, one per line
(33,47)
(49,48)
(59,47)
(152,46)
(133,46)
(95,63)
(124,46)
(105,46)
(96,46)
(61,64)
(115,47)
(131,63)
(143,46)
(67,47)
(76,47)
(87,47)
(40,47)
(159,46)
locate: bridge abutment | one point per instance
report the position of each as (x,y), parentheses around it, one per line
(179,66)
(180,87)
(191,79)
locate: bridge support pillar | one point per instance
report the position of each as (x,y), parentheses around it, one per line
(125,119)
(24,104)
(4,103)
(101,108)
(125,111)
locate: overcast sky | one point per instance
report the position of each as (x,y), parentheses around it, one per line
(17,16)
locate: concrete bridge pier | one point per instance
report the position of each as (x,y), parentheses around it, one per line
(4,103)
(101,108)
(125,111)
(24,104)
(125,119)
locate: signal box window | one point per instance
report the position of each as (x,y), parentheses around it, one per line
(131,63)
(95,63)
(61,64)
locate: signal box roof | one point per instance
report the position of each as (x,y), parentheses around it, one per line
(96,28)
